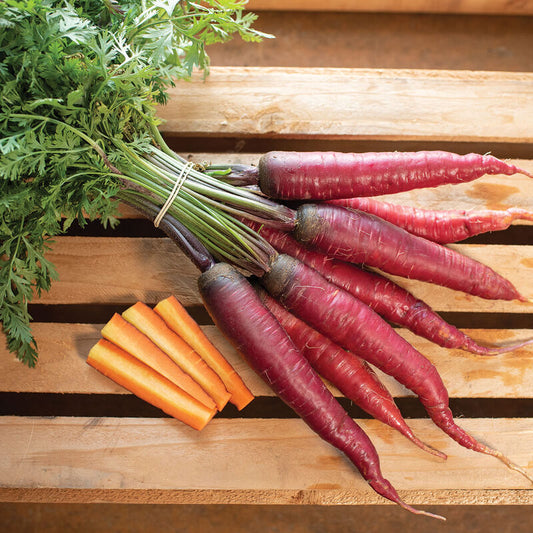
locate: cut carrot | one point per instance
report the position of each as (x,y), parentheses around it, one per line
(148,384)
(177,319)
(147,321)
(130,339)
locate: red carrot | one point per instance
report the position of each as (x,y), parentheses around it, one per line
(239,313)
(388,299)
(356,328)
(328,175)
(363,238)
(351,375)
(438,226)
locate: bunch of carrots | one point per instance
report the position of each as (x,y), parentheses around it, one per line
(317,303)
(293,252)
(163,357)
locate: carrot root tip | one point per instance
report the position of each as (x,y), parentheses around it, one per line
(427,448)
(507,462)
(420,511)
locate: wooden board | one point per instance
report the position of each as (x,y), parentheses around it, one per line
(64,348)
(278,460)
(354,104)
(86,266)
(499,7)
(67,456)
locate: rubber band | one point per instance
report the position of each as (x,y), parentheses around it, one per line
(173,193)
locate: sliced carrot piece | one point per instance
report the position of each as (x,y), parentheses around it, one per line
(147,321)
(130,339)
(148,384)
(179,320)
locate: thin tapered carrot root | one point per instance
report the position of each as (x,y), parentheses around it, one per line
(420,511)
(517,213)
(443,418)
(472,347)
(383,487)
(505,460)
(426,447)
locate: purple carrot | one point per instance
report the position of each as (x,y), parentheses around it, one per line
(355,327)
(239,313)
(329,175)
(362,238)
(438,226)
(350,374)
(387,298)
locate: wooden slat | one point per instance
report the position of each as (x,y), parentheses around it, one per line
(492,7)
(460,106)
(150,269)
(63,349)
(153,268)
(384,40)
(221,462)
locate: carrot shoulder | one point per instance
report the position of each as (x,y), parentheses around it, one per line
(148,384)
(130,339)
(177,319)
(148,322)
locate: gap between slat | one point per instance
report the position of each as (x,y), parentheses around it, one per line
(52,405)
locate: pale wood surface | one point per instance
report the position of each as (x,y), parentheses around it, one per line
(354,104)
(221,462)
(153,268)
(64,348)
(494,7)
(281,461)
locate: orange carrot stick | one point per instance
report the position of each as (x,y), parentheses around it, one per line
(148,384)
(147,321)
(130,339)
(177,319)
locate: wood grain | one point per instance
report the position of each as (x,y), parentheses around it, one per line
(317,497)
(119,460)
(63,350)
(329,103)
(106,454)
(493,7)
(153,268)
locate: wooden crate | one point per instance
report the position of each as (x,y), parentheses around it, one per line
(70,441)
